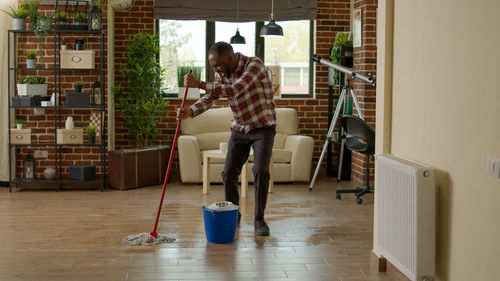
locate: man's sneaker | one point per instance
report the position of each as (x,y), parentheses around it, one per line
(261,228)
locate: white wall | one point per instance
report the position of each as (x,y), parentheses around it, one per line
(5,23)
(446,113)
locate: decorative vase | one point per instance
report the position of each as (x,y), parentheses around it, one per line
(18,24)
(31,63)
(69,123)
(91,139)
(49,173)
(53,99)
(19,126)
(80,44)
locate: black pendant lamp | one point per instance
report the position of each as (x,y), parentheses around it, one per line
(271,29)
(237,38)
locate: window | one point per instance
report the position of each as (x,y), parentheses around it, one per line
(183,42)
(225,30)
(290,55)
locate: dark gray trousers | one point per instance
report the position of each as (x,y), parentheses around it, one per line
(262,140)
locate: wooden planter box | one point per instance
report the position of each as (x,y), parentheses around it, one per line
(32,89)
(137,167)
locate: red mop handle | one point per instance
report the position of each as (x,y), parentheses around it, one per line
(172,152)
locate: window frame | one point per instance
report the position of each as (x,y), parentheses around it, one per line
(259,52)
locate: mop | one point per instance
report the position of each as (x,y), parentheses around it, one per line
(153,238)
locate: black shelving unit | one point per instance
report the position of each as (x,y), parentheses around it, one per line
(58,72)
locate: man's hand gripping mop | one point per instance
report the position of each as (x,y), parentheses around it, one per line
(153,238)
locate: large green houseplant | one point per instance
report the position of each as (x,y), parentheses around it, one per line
(141,102)
(140,97)
(341,41)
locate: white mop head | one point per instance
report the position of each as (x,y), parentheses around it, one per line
(145,239)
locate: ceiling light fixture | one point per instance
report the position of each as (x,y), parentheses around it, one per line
(237,38)
(271,29)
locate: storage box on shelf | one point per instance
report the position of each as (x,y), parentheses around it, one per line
(81,59)
(82,172)
(74,136)
(20,136)
(78,99)
(26,101)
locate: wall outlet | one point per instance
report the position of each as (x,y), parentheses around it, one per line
(41,153)
(494,166)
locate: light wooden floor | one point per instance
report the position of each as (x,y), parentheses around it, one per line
(76,235)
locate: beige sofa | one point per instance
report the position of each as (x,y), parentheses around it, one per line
(292,153)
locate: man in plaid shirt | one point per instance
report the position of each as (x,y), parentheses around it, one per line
(246,84)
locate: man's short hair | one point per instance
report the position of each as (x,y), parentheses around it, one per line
(221,48)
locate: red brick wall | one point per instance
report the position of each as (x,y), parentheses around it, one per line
(42,126)
(365,61)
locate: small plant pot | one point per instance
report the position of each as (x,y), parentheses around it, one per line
(61,23)
(31,63)
(78,88)
(18,24)
(91,139)
(19,126)
(63,47)
(79,22)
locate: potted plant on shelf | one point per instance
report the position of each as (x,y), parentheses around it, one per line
(18,15)
(60,17)
(31,85)
(20,124)
(63,45)
(31,59)
(140,99)
(78,86)
(193,93)
(42,28)
(91,131)
(80,18)
(33,12)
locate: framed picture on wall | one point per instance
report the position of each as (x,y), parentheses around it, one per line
(356,26)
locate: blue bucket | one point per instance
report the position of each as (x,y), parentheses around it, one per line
(220,225)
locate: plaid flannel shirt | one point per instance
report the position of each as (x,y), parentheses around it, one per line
(249,94)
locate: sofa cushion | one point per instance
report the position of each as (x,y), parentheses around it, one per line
(212,140)
(287,122)
(279,156)
(212,120)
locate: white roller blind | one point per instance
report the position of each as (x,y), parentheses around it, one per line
(219,10)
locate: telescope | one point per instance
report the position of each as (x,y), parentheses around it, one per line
(346,90)
(370,79)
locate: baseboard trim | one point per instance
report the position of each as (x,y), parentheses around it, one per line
(385,266)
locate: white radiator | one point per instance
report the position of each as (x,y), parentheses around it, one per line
(406,206)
